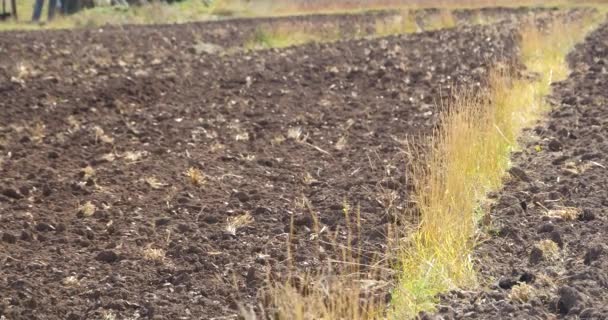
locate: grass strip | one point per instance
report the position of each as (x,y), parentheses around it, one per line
(469,157)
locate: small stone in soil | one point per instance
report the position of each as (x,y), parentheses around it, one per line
(44,227)
(587,215)
(242,196)
(162,222)
(557,238)
(555,145)
(527,277)
(12,193)
(546,227)
(506,283)
(25,236)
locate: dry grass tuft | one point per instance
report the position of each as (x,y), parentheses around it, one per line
(284,35)
(87,172)
(133,156)
(70,281)
(154,255)
(341,144)
(87,209)
(344,288)
(327,298)
(108,315)
(294,133)
(100,135)
(565,213)
(522,293)
(235,223)
(195,176)
(549,248)
(38,132)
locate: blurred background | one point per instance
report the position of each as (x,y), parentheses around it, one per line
(91,13)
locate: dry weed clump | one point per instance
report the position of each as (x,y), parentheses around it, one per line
(70,281)
(195,176)
(549,248)
(87,172)
(154,255)
(328,297)
(344,288)
(87,209)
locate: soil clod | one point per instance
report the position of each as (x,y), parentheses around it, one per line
(108,256)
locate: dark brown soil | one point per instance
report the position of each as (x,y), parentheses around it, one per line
(138,105)
(227,34)
(570,170)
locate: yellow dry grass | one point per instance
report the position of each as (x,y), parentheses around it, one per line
(443,20)
(345,289)
(401,23)
(299,7)
(289,34)
(469,157)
